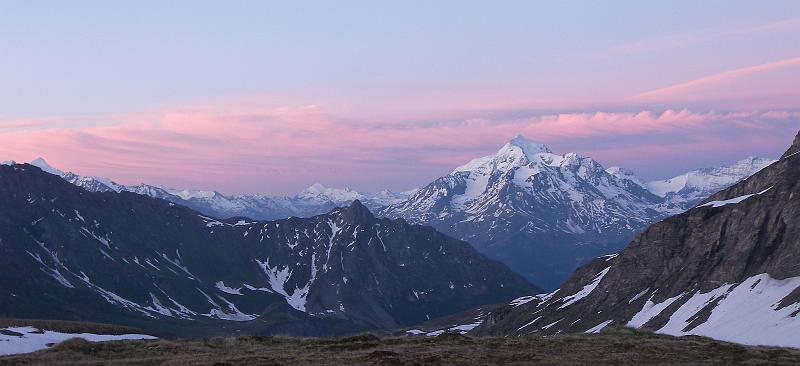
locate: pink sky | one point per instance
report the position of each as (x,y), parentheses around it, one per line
(662,105)
(282,150)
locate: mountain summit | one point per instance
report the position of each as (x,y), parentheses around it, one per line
(519,147)
(43,165)
(519,151)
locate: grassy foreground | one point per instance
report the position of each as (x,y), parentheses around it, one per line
(613,347)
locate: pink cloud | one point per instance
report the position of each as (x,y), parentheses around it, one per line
(20,124)
(704,86)
(281,150)
(679,40)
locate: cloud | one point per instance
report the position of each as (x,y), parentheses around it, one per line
(680,40)
(20,124)
(282,150)
(705,85)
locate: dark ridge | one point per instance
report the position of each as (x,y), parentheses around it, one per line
(795,148)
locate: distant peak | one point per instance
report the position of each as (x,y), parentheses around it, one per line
(623,173)
(316,187)
(187,194)
(528,147)
(319,192)
(320,188)
(618,170)
(518,150)
(357,212)
(44,166)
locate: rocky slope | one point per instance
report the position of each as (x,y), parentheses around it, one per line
(68,253)
(728,268)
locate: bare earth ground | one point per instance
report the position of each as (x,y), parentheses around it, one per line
(613,347)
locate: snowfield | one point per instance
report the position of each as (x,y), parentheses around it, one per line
(15,340)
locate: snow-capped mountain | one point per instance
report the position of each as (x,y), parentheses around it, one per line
(314,200)
(92,184)
(539,212)
(521,178)
(726,269)
(690,188)
(125,258)
(543,213)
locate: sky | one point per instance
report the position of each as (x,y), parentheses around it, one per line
(269,97)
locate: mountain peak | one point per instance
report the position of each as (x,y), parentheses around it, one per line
(357,204)
(357,212)
(626,174)
(319,191)
(44,166)
(529,147)
(316,188)
(517,151)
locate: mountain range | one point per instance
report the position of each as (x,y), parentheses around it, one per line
(727,269)
(541,213)
(314,200)
(544,214)
(120,257)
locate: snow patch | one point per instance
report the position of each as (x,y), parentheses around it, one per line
(747,313)
(521,300)
(231,313)
(228,290)
(278,277)
(650,310)
(32,339)
(638,296)
(609,256)
(597,328)
(585,291)
(103,240)
(732,201)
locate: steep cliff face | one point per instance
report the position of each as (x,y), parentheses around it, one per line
(728,268)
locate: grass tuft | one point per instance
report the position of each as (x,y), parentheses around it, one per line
(78,345)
